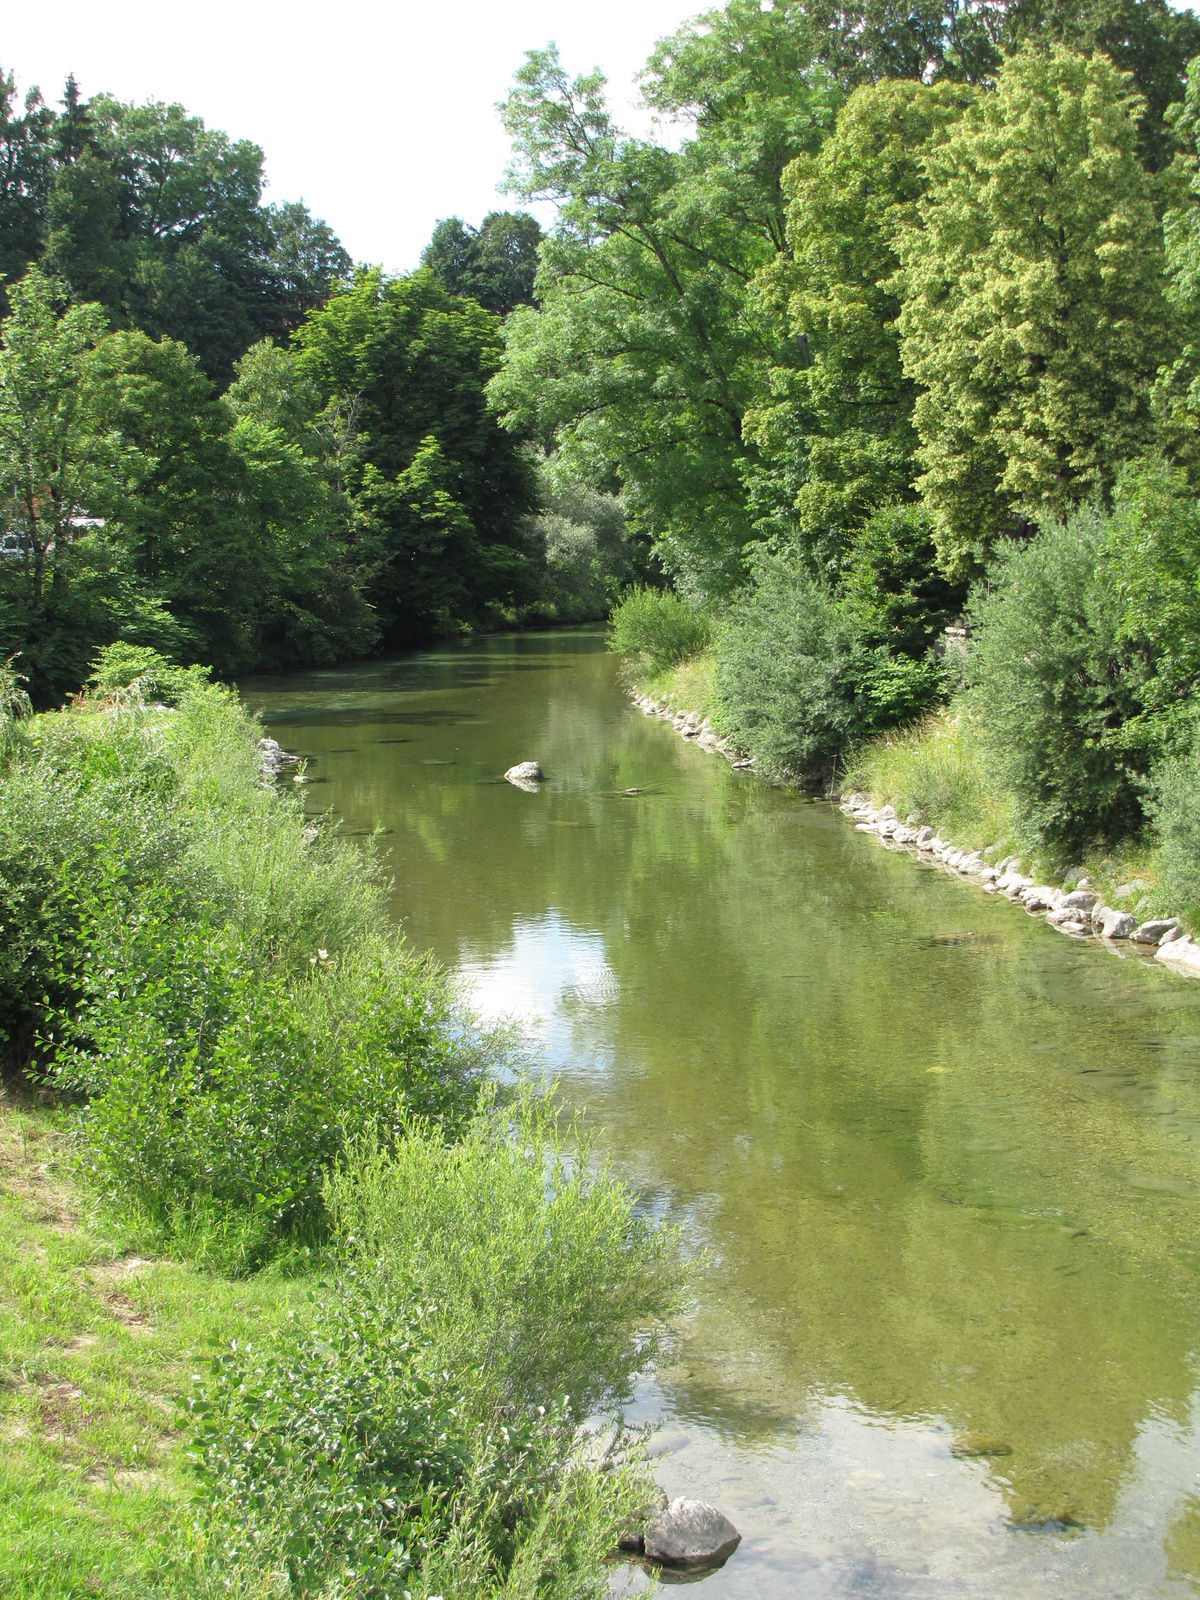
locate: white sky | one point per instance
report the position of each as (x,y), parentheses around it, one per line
(381,117)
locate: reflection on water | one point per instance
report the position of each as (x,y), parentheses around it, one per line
(944,1160)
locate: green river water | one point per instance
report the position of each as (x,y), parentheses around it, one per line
(945,1161)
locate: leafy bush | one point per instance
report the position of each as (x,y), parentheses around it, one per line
(1053,683)
(788,671)
(1153,549)
(416,1428)
(657,628)
(327,1452)
(215,1083)
(587,556)
(535,1269)
(217,978)
(900,597)
(1174,806)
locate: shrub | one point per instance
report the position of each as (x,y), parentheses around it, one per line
(657,628)
(217,1085)
(415,1429)
(327,1452)
(788,671)
(901,598)
(1174,806)
(1053,684)
(537,1273)
(587,555)
(217,978)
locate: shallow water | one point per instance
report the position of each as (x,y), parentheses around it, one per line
(944,1160)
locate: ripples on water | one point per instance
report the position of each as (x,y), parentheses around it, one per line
(943,1160)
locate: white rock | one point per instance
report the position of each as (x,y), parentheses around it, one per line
(1115,924)
(1156,931)
(1039,898)
(1181,955)
(690,1533)
(525,772)
(924,837)
(888,811)
(1081,900)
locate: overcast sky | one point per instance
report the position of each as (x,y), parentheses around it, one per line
(381,117)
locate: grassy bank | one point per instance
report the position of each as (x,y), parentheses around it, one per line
(97,1345)
(937,772)
(227,1073)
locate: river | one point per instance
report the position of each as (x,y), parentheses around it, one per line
(943,1160)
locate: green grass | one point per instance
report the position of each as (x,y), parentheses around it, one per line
(689,686)
(935,771)
(97,1343)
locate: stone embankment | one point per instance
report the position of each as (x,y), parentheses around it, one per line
(1074,909)
(691,726)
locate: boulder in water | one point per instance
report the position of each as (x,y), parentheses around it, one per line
(689,1533)
(525,775)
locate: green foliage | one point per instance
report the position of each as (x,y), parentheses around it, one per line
(938,770)
(587,552)
(491,1293)
(643,357)
(1053,683)
(439,493)
(788,672)
(657,628)
(1174,808)
(217,980)
(1033,316)
(328,1453)
(495,263)
(1153,556)
(891,580)
(159,219)
(834,424)
(540,1283)
(218,1082)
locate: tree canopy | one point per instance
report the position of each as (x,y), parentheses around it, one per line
(495,263)
(159,220)
(1033,317)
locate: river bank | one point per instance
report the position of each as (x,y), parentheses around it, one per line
(934,774)
(227,1063)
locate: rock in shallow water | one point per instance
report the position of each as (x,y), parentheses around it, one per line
(525,772)
(689,1533)
(1181,954)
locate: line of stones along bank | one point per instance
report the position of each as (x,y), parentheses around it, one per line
(691,725)
(1074,911)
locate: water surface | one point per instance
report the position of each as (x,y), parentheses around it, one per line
(944,1160)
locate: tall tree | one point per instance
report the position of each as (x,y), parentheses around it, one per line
(834,426)
(644,355)
(26,169)
(495,263)
(160,220)
(1034,319)
(440,492)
